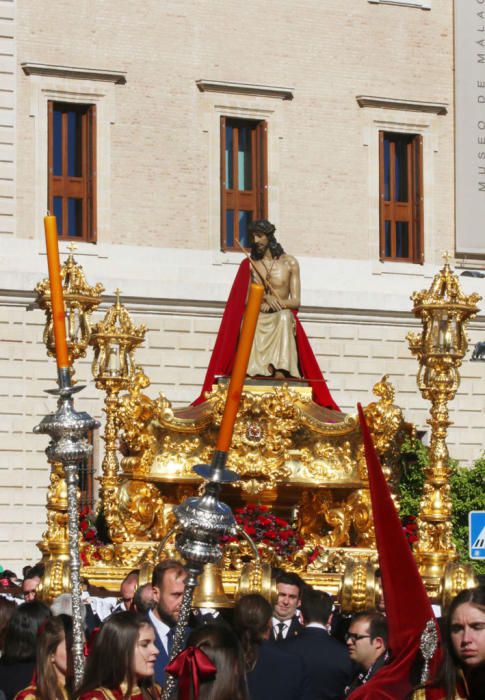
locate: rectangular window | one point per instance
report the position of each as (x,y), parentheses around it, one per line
(401,197)
(72,169)
(244,191)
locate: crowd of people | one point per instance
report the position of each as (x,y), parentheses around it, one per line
(300,648)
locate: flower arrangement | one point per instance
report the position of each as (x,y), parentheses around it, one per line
(410,527)
(87,525)
(91,540)
(264,527)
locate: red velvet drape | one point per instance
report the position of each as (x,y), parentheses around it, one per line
(226,343)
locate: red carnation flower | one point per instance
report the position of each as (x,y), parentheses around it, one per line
(280,522)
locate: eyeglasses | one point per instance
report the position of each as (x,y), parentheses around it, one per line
(352,637)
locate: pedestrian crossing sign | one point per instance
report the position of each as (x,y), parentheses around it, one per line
(476,528)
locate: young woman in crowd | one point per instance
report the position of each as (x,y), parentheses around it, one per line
(18,658)
(121,663)
(211,667)
(53,664)
(462,673)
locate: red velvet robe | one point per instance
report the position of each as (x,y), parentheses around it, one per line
(224,351)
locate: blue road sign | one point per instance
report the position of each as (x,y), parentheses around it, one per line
(476,528)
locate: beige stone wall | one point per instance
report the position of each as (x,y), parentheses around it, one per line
(7,118)
(164,168)
(158,194)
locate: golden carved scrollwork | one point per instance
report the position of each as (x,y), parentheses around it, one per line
(360,506)
(57,527)
(135,414)
(262,435)
(323,521)
(388,428)
(142,510)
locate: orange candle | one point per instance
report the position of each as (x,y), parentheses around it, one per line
(57,297)
(241,360)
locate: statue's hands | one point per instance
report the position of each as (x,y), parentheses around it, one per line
(273,303)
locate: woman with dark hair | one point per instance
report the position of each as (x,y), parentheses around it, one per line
(462,672)
(211,667)
(271,673)
(53,667)
(121,663)
(7,609)
(18,659)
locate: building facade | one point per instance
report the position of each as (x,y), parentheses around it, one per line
(157,135)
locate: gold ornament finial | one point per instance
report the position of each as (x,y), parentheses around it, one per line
(447,256)
(71,248)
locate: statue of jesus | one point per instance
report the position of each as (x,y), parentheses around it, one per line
(281,347)
(274,351)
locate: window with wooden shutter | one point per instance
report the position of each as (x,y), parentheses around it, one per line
(72,169)
(401,197)
(244,191)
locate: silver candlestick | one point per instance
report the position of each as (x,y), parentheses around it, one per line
(203,521)
(69,446)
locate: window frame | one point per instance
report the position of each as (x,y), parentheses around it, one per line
(65,186)
(411,211)
(234,198)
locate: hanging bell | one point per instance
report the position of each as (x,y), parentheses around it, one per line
(210,591)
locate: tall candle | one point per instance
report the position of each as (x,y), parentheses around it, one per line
(241,360)
(57,297)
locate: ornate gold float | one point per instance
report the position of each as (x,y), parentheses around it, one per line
(303,461)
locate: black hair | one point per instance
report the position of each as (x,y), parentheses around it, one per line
(289,578)
(21,633)
(316,606)
(377,625)
(36,571)
(268,229)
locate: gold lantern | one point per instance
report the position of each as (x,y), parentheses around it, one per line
(444,311)
(114,339)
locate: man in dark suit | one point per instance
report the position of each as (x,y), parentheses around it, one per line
(168,581)
(285,622)
(326,661)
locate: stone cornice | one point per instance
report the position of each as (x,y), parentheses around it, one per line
(403,105)
(50,71)
(282,93)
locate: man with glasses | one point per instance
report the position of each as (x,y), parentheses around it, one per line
(367,646)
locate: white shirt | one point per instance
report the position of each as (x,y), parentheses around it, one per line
(102,607)
(276,627)
(161,629)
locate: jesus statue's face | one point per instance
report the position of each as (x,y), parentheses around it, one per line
(261,242)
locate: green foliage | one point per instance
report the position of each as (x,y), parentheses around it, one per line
(414,458)
(467,492)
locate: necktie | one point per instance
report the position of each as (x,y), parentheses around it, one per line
(281,626)
(170,636)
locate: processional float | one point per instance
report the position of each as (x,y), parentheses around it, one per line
(303,462)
